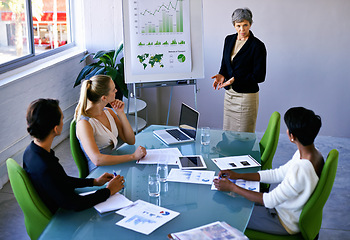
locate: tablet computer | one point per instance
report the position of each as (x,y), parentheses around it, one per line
(192,162)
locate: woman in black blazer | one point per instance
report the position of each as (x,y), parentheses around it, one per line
(243,66)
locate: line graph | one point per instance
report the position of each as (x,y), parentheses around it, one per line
(163,18)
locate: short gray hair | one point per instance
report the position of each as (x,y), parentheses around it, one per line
(241,14)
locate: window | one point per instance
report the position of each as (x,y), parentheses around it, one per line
(32,28)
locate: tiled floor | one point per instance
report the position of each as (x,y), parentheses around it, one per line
(336,217)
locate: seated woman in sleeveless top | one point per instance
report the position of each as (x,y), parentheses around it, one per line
(98,126)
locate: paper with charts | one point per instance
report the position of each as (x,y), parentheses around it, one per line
(235,162)
(216,230)
(144,217)
(191,176)
(168,155)
(249,185)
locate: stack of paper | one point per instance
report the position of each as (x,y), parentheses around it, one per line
(144,217)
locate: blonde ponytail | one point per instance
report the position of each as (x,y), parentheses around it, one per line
(91,90)
(82,104)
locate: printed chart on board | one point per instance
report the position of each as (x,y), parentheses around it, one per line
(160,36)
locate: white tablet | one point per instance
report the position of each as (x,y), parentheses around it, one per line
(192,162)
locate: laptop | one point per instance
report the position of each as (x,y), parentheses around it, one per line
(186,132)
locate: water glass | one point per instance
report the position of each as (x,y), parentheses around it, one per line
(205,136)
(153,185)
(162,170)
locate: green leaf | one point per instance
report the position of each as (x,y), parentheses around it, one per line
(120,48)
(100,54)
(93,72)
(112,72)
(87,55)
(106,60)
(82,74)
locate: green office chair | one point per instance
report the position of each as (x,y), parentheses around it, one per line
(36,214)
(311,216)
(78,154)
(268,145)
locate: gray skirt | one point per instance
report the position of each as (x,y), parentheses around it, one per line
(240,111)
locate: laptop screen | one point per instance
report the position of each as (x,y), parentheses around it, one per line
(188,120)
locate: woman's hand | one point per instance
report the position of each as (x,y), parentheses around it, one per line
(219,79)
(116,184)
(106,177)
(224,184)
(227,83)
(118,105)
(140,153)
(228,174)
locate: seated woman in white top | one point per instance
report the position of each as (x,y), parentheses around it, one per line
(98,126)
(297,179)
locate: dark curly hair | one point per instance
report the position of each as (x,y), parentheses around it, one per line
(303,123)
(42,116)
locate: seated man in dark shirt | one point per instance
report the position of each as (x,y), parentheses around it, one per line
(54,186)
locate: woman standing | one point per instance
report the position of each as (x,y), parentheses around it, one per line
(243,66)
(98,127)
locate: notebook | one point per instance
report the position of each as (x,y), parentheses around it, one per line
(186,132)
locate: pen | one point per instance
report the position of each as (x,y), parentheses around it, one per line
(114,173)
(224,176)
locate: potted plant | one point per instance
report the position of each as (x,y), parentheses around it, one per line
(107,64)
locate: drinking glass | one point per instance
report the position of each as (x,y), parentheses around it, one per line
(153,185)
(205,136)
(162,170)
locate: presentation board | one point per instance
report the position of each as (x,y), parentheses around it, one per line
(163,40)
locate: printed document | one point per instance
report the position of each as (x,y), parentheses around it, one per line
(191,176)
(163,155)
(144,217)
(249,185)
(216,230)
(114,202)
(235,162)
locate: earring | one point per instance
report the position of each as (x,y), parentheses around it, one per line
(292,140)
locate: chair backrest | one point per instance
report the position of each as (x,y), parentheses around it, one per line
(311,217)
(78,154)
(268,143)
(36,214)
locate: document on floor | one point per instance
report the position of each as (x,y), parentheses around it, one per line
(216,230)
(191,176)
(249,185)
(114,202)
(144,217)
(235,162)
(169,155)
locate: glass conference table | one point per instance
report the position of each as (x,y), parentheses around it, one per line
(197,203)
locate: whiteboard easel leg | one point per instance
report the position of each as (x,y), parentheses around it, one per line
(195,93)
(171,95)
(134,90)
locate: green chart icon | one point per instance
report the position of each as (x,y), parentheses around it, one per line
(181,58)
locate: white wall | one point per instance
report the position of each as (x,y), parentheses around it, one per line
(308,62)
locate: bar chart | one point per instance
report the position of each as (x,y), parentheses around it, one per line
(165,18)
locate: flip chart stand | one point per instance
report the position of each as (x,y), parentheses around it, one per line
(133,86)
